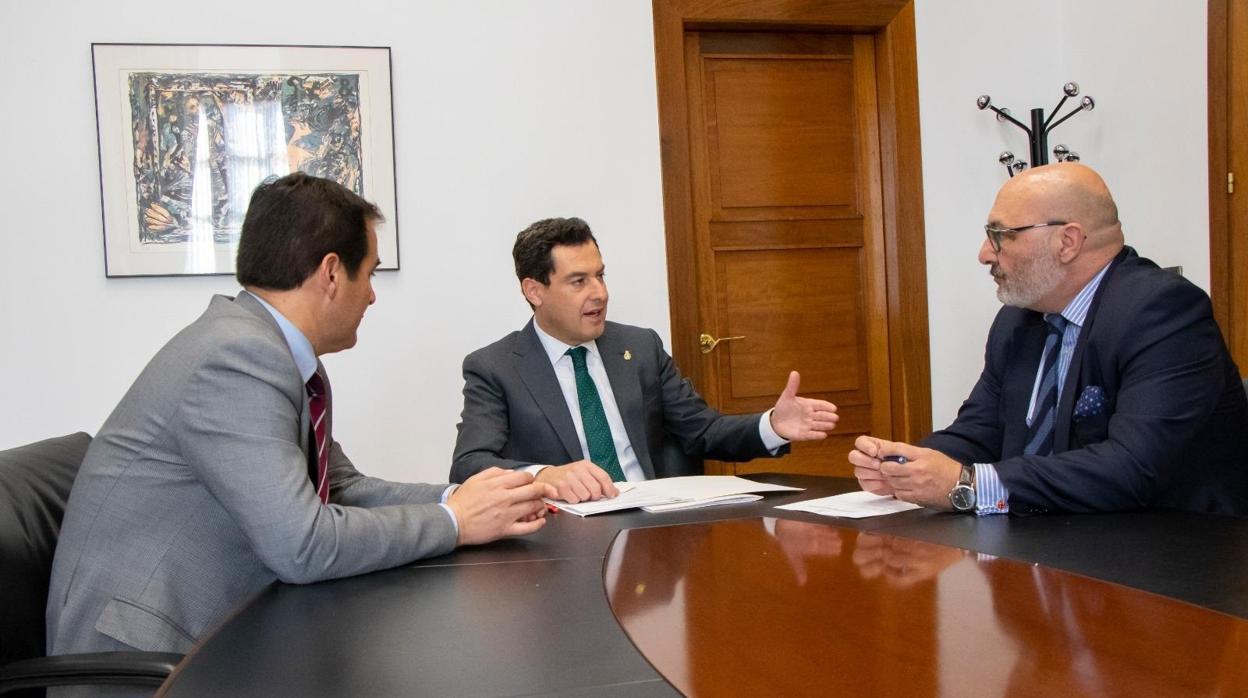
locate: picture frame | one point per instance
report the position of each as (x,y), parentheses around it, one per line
(187,131)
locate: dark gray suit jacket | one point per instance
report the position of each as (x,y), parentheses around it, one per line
(195,495)
(515,415)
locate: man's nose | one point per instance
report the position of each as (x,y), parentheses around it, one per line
(987,255)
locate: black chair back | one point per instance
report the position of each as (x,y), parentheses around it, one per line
(34,486)
(674,462)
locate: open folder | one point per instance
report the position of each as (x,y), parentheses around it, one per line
(672,493)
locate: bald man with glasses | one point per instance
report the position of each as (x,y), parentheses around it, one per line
(1106,384)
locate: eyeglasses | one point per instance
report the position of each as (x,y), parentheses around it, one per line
(995,233)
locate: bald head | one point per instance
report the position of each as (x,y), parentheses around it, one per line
(1067,231)
(1072,192)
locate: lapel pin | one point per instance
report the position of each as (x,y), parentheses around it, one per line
(628,355)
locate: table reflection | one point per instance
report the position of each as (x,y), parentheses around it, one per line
(786,607)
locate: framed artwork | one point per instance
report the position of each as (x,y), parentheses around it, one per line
(186,132)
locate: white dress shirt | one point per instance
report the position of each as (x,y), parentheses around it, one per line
(557,351)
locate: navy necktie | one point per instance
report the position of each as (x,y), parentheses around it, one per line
(1040,430)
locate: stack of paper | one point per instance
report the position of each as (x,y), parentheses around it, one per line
(670,494)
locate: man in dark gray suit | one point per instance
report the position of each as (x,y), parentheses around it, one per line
(218,472)
(582,402)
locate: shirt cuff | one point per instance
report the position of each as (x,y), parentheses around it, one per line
(771,440)
(533,469)
(991,497)
(446,494)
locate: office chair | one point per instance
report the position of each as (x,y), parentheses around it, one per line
(34,486)
(675,462)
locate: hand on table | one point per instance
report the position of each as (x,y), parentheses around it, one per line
(497,503)
(581,481)
(924,479)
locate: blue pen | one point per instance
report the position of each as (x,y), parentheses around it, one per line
(899,460)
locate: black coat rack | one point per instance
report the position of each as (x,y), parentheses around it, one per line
(1038,133)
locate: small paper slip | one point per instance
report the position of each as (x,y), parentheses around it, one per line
(853,505)
(672,493)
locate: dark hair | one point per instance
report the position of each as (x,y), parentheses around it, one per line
(293,222)
(531,252)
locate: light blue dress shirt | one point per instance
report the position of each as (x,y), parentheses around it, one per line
(991,496)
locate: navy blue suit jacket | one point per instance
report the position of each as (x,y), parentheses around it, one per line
(515,415)
(1174,431)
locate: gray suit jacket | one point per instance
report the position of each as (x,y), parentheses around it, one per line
(515,415)
(195,495)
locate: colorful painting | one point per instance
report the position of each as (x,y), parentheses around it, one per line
(232,131)
(197,141)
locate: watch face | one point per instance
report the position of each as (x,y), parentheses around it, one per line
(962,497)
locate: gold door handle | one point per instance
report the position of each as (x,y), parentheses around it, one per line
(708,343)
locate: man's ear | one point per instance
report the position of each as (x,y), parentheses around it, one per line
(1072,238)
(532,290)
(330,274)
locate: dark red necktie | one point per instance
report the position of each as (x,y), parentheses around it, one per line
(318,405)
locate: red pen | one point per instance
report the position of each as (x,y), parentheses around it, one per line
(552,508)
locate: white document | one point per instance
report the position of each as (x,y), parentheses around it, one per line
(699,503)
(672,493)
(852,505)
(628,498)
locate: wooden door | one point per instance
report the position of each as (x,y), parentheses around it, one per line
(1228,172)
(785,174)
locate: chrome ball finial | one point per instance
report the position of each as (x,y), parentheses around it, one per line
(1060,152)
(1087,103)
(1001,114)
(1018,166)
(1072,156)
(1006,158)
(983,101)
(1071,89)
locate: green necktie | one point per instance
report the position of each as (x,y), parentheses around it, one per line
(594,419)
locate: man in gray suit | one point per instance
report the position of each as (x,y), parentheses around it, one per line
(211,478)
(582,402)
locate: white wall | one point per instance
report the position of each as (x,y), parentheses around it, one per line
(1143,61)
(507,112)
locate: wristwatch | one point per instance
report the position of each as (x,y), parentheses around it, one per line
(962,496)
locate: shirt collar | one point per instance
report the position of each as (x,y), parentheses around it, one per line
(556,349)
(1076,311)
(300,348)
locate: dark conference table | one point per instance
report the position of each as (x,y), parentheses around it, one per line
(720,597)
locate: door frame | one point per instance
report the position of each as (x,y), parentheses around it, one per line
(901,173)
(1220,284)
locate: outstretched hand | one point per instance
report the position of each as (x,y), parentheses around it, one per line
(800,418)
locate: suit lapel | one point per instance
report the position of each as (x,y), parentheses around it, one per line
(538,376)
(626,386)
(1075,380)
(1029,337)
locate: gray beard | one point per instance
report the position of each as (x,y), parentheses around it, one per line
(1031,282)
